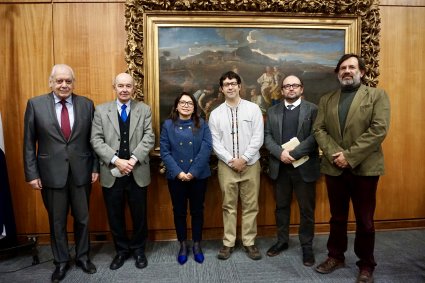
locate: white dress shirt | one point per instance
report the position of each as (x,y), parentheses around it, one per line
(69,106)
(247,137)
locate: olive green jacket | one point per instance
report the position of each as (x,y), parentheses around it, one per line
(366,126)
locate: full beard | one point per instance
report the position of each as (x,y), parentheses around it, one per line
(350,84)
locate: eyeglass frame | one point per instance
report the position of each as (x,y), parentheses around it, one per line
(294,86)
(230,84)
(183,103)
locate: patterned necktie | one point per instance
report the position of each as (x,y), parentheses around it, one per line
(290,106)
(123,113)
(65,124)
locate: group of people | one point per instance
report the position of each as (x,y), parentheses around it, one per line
(68,144)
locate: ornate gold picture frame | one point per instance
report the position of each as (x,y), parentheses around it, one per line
(143,60)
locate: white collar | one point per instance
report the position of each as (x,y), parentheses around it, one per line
(57,99)
(296,103)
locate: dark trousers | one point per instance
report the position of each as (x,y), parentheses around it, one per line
(194,192)
(125,188)
(57,203)
(362,192)
(288,181)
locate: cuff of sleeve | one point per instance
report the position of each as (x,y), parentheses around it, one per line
(134,157)
(114,159)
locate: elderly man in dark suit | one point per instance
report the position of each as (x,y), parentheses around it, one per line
(352,122)
(122,137)
(293,118)
(60,162)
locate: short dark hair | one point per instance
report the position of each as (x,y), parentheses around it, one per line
(230,75)
(362,64)
(174,115)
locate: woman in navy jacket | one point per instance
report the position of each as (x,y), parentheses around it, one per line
(186,144)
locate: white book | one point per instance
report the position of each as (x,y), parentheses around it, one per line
(290,145)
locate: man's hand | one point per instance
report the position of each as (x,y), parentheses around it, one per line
(125,166)
(94,177)
(132,161)
(285,157)
(339,160)
(36,184)
(238,164)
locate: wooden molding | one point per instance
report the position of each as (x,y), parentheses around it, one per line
(263,231)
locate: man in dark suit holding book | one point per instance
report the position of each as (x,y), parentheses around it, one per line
(294,164)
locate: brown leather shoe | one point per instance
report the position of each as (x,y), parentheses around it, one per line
(225,252)
(365,276)
(329,265)
(252,252)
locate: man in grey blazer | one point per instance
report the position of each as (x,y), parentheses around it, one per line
(293,118)
(351,125)
(59,161)
(122,137)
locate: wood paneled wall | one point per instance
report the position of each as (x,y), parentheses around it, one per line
(91,38)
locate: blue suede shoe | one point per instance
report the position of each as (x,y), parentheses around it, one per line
(198,255)
(182,256)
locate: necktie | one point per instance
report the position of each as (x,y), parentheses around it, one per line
(123,113)
(290,106)
(65,125)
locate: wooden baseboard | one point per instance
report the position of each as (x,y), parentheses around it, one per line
(263,231)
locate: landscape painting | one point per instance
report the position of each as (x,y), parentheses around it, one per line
(191,57)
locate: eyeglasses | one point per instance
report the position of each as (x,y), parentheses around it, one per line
(230,84)
(294,86)
(186,103)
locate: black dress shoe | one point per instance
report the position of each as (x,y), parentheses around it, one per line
(277,249)
(87,266)
(60,272)
(118,261)
(308,256)
(141,261)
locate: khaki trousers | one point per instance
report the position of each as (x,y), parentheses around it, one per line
(247,186)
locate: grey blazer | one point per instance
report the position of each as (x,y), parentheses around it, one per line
(105,139)
(310,170)
(47,155)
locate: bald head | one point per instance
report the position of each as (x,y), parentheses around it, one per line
(121,77)
(292,88)
(124,87)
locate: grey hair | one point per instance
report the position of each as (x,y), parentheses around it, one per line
(56,68)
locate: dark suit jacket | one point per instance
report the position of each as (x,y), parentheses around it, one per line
(367,124)
(105,138)
(47,155)
(273,135)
